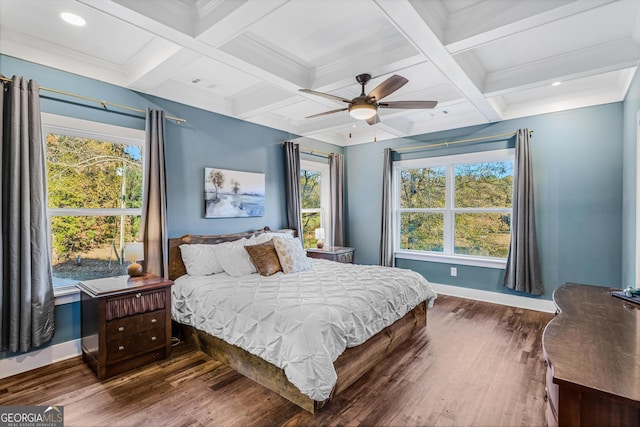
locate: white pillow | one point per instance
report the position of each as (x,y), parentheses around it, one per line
(200,260)
(234,259)
(291,254)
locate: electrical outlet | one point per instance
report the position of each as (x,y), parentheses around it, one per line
(454,271)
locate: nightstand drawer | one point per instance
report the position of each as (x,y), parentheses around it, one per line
(133,345)
(139,302)
(345,258)
(127,326)
(125,322)
(333,253)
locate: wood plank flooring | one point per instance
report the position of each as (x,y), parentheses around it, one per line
(477,364)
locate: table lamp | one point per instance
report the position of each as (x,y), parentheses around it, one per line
(319,238)
(134,252)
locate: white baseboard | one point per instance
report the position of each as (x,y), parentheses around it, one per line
(496,297)
(39,358)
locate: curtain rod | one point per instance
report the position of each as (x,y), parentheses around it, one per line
(311,151)
(314,152)
(101,102)
(480,138)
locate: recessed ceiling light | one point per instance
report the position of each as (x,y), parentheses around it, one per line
(73,19)
(556,83)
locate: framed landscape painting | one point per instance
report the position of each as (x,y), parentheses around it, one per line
(233,194)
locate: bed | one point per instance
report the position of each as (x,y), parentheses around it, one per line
(305,334)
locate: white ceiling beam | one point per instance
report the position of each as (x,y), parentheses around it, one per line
(148,74)
(487,22)
(40,51)
(585,62)
(135,18)
(260,100)
(406,19)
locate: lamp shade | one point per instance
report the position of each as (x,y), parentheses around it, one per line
(362,111)
(134,252)
(319,233)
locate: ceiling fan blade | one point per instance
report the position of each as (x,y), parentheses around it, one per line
(327,112)
(326,95)
(408,104)
(387,87)
(373,120)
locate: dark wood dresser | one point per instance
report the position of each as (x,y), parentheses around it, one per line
(333,253)
(126,322)
(592,354)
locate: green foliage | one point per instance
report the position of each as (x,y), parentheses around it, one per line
(310,221)
(86,173)
(484,185)
(310,189)
(482,234)
(423,188)
(421,231)
(477,186)
(310,199)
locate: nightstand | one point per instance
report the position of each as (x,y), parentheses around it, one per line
(333,253)
(125,322)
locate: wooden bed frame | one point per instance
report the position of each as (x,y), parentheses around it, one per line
(350,365)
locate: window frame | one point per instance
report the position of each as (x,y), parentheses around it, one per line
(71,126)
(325,195)
(449,211)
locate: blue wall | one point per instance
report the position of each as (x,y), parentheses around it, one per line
(577,159)
(212,140)
(630,157)
(207,139)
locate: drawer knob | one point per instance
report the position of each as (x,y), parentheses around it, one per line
(121,348)
(153,338)
(153,320)
(121,328)
(138,295)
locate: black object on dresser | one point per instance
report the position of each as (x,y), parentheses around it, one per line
(592,353)
(125,322)
(333,253)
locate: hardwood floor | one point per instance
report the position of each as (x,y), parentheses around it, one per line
(477,364)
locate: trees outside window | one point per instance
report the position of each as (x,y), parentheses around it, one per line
(455,206)
(94,184)
(314,196)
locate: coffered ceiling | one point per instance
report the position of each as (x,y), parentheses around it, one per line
(482,60)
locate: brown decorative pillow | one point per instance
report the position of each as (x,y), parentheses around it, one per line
(264,257)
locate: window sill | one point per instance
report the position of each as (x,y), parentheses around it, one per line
(453,259)
(66,294)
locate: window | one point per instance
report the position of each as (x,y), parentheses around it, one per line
(94,183)
(314,198)
(455,208)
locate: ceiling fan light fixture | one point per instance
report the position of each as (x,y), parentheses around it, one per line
(362,111)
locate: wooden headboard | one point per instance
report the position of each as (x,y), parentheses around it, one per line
(176,266)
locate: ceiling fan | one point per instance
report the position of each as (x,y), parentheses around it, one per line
(365,107)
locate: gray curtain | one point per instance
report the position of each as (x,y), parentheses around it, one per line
(523,264)
(27,303)
(154,208)
(386,232)
(336,177)
(292,185)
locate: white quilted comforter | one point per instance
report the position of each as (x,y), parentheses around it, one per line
(300,322)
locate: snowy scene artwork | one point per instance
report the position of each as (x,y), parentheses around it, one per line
(233,194)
